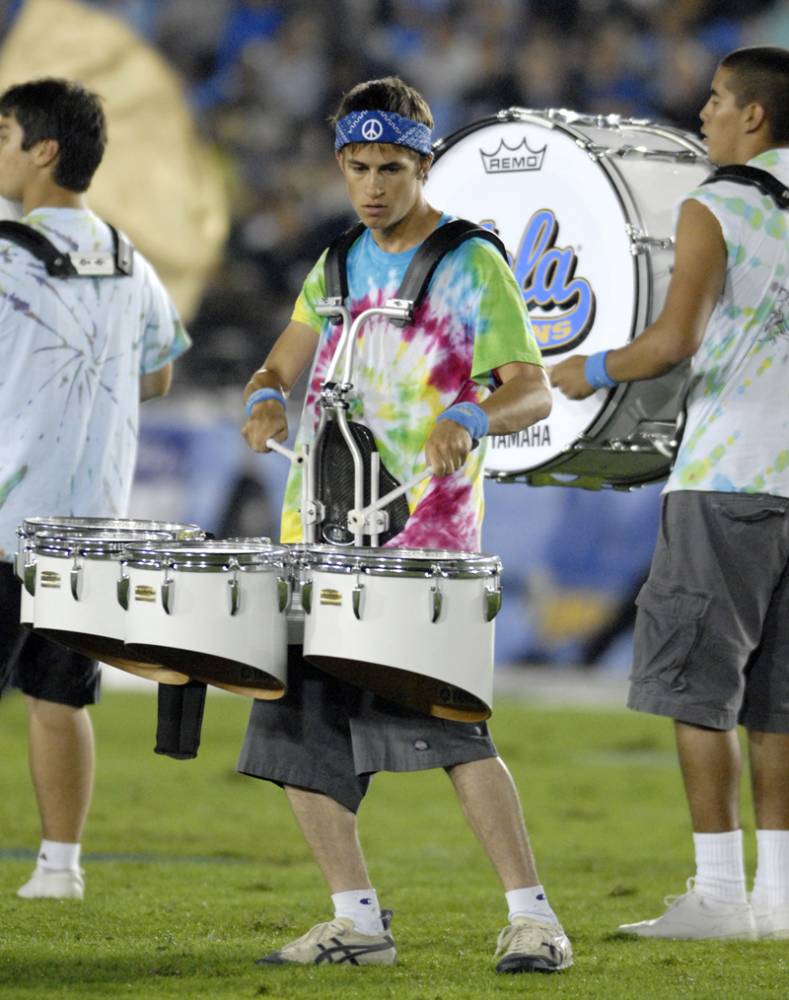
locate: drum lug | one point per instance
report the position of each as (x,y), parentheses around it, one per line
(30,578)
(75,578)
(356,600)
(122,590)
(234,595)
(284,594)
(167,592)
(436,602)
(306,597)
(492,601)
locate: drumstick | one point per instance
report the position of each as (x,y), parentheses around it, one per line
(389,497)
(385,500)
(295,457)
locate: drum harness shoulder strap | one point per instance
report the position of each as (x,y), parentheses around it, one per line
(417,277)
(333,480)
(60,264)
(766,182)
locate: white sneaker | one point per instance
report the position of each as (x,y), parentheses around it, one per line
(692,916)
(45,883)
(528,945)
(337,942)
(772,923)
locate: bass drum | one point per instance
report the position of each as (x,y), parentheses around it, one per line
(585,207)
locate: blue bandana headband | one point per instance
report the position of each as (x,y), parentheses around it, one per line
(383,126)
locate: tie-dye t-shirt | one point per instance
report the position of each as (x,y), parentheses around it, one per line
(471,322)
(71,354)
(736,437)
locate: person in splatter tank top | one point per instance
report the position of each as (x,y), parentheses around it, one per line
(468,366)
(711,642)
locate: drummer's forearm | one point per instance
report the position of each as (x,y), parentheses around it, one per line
(653,353)
(287,359)
(519,402)
(697,282)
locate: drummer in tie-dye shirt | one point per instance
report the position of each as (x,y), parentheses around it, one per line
(470,342)
(468,366)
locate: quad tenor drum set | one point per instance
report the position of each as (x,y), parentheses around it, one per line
(584,205)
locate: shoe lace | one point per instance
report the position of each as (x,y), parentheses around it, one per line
(690,885)
(321,931)
(519,938)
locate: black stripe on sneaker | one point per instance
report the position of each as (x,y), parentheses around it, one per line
(348,953)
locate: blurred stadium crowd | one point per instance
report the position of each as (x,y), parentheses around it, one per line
(263,75)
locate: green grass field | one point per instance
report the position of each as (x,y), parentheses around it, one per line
(193,871)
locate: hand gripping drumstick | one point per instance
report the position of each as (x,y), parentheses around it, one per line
(357,518)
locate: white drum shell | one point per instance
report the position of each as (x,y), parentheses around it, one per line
(95,610)
(200,620)
(395,630)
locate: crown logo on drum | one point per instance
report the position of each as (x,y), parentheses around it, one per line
(511,159)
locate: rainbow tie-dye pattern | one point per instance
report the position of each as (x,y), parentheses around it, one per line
(471,322)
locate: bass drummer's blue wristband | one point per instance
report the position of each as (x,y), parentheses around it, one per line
(595,371)
(261,395)
(470,416)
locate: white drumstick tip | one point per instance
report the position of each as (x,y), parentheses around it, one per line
(294,457)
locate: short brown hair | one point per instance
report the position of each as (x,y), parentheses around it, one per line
(388,94)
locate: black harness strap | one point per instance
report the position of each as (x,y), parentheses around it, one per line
(414,285)
(438,244)
(59,263)
(766,182)
(335,267)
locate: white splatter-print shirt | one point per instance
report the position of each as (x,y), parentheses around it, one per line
(71,354)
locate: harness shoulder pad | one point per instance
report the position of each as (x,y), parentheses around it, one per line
(335,266)
(438,244)
(60,264)
(57,263)
(766,182)
(124,251)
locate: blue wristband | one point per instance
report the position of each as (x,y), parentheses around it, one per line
(595,372)
(470,416)
(261,395)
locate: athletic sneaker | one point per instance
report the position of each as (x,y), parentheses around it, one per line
(337,942)
(772,923)
(691,916)
(528,945)
(46,883)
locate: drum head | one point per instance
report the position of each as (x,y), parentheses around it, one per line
(564,223)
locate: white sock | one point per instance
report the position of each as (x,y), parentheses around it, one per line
(531,902)
(361,905)
(720,872)
(771,885)
(55,856)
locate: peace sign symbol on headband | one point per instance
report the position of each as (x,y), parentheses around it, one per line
(372,130)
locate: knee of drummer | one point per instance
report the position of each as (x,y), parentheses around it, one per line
(52,713)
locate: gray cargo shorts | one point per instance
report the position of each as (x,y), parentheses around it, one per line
(711,644)
(330,737)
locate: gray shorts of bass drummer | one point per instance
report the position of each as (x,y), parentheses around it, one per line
(330,737)
(711,641)
(40,667)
